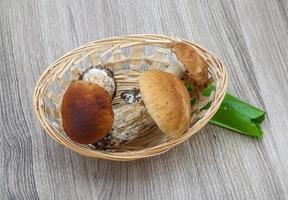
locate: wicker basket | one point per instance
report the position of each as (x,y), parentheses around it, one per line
(128,56)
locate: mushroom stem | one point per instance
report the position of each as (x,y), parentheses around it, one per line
(130,122)
(176,70)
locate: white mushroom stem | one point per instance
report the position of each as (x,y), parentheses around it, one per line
(176,70)
(130,121)
(136,120)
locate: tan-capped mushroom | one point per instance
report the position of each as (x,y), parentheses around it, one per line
(133,119)
(86,112)
(167,101)
(171,110)
(195,65)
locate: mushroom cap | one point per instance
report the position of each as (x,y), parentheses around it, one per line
(86,112)
(197,67)
(167,101)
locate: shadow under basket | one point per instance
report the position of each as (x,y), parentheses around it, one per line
(127,56)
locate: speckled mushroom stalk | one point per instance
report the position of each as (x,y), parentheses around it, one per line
(130,122)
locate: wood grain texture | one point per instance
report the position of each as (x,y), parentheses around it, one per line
(251,37)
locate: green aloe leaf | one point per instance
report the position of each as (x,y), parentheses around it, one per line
(235,114)
(239,116)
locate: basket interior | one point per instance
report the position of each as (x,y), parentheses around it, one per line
(128,59)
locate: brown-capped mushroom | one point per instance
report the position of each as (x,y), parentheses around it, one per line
(195,65)
(86,112)
(167,101)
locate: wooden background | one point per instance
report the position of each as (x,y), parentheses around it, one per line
(250,36)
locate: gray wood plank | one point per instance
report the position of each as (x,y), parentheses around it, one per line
(251,37)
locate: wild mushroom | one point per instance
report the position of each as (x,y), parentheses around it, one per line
(195,65)
(167,101)
(86,112)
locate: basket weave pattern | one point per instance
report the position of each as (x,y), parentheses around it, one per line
(127,56)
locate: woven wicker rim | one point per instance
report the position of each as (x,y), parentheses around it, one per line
(129,155)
